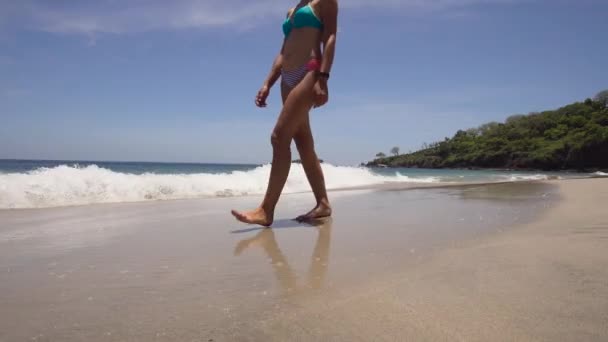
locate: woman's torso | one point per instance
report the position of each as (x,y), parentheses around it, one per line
(303,32)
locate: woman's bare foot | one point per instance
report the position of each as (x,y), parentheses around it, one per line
(320,211)
(257,216)
(259,239)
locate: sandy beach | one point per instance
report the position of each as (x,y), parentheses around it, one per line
(505,262)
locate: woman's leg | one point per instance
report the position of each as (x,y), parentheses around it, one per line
(285,274)
(320,256)
(314,172)
(295,109)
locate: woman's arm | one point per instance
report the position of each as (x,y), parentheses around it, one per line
(275,70)
(273,76)
(330,29)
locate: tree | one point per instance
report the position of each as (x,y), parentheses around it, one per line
(602,97)
(380,155)
(574,136)
(515,118)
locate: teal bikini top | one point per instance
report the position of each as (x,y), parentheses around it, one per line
(303,17)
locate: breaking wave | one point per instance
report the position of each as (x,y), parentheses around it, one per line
(73,185)
(518,178)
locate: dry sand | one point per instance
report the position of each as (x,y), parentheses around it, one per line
(505,262)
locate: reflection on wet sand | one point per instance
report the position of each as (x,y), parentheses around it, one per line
(282,270)
(510,192)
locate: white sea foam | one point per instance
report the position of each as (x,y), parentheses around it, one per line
(517,178)
(72,185)
(600,174)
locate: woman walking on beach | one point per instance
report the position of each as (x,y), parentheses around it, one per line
(304,64)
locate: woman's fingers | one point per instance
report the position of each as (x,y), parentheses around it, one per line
(260,99)
(320,98)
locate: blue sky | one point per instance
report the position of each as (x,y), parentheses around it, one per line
(149,80)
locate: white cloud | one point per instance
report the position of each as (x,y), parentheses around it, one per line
(115,17)
(423,5)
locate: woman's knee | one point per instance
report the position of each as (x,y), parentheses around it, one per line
(279,140)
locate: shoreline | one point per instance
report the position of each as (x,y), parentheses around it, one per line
(392,186)
(543,280)
(511,261)
(386,166)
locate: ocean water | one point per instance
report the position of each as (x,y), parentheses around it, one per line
(40,184)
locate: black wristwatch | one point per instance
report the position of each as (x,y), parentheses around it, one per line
(325,75)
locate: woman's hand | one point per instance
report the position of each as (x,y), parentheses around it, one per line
(260,99)
(321,93)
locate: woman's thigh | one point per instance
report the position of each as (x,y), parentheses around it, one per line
(297,102)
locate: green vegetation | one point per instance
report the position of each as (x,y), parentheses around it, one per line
(602,97)
(571,137)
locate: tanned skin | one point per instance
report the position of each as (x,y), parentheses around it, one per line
(293,122)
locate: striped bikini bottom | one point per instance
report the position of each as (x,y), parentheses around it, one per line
(291,78)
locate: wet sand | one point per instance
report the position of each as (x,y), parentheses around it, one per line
(499,262)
